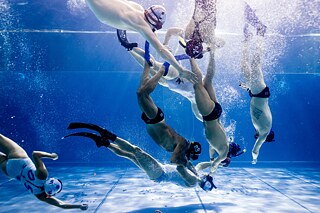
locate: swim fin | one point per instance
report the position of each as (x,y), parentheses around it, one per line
(103,132)
(99,140)
(122,37)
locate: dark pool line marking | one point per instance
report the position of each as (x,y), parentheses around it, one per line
(203,206)
(109,192)
(279,191)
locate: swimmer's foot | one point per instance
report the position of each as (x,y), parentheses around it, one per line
(122,37)
(254,158)
(261,29)
(254,161)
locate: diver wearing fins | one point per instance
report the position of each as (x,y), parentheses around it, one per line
(155,170)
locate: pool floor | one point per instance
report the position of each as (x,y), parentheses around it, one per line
(267,188)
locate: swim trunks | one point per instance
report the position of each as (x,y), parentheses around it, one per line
(215,114)
(159,117)
(265,93)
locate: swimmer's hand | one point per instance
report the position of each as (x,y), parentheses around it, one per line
(54,156)
(243,85)
(84,206)
(190,76)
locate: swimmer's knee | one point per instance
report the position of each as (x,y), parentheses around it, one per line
(141,92)
(137,150)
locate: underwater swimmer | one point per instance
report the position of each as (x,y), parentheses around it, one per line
(33,174)
(157,128)
(211,111)
(171,77)
(260,112)
(129,15)
(156,171)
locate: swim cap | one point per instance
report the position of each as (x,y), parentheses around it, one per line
(194,48)
(234,148)
(194,150)
(52,186)
(156,16)
(207,183)
(270,136)
(226,162)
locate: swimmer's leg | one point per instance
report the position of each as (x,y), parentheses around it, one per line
(203,100)
(142,159)
(203,165)
(257,78)
(146,87)
(253,20)
(11,149)
(245,65)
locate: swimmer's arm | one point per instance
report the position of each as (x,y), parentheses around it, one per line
(56,202)
(41,171)
(203,165)
(174,31)
(187,176)
(167,55)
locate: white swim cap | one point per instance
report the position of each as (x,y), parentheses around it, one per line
(52,186)
(156,16)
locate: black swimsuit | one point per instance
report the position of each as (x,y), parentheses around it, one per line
(159,117)
(215,114)
(265,93)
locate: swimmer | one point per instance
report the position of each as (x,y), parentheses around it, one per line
(170,79)
(155,170)
(259,93)
(33,174)
(129,15)
(157,128)
(211,111)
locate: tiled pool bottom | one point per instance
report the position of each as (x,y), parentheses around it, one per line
(268,187)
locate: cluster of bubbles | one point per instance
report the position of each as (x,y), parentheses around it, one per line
(5,44)
(76,6)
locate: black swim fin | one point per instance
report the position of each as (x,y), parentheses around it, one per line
(122,37)
(97,139)
(103,132)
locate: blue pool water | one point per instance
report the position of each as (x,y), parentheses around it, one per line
(59,64)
